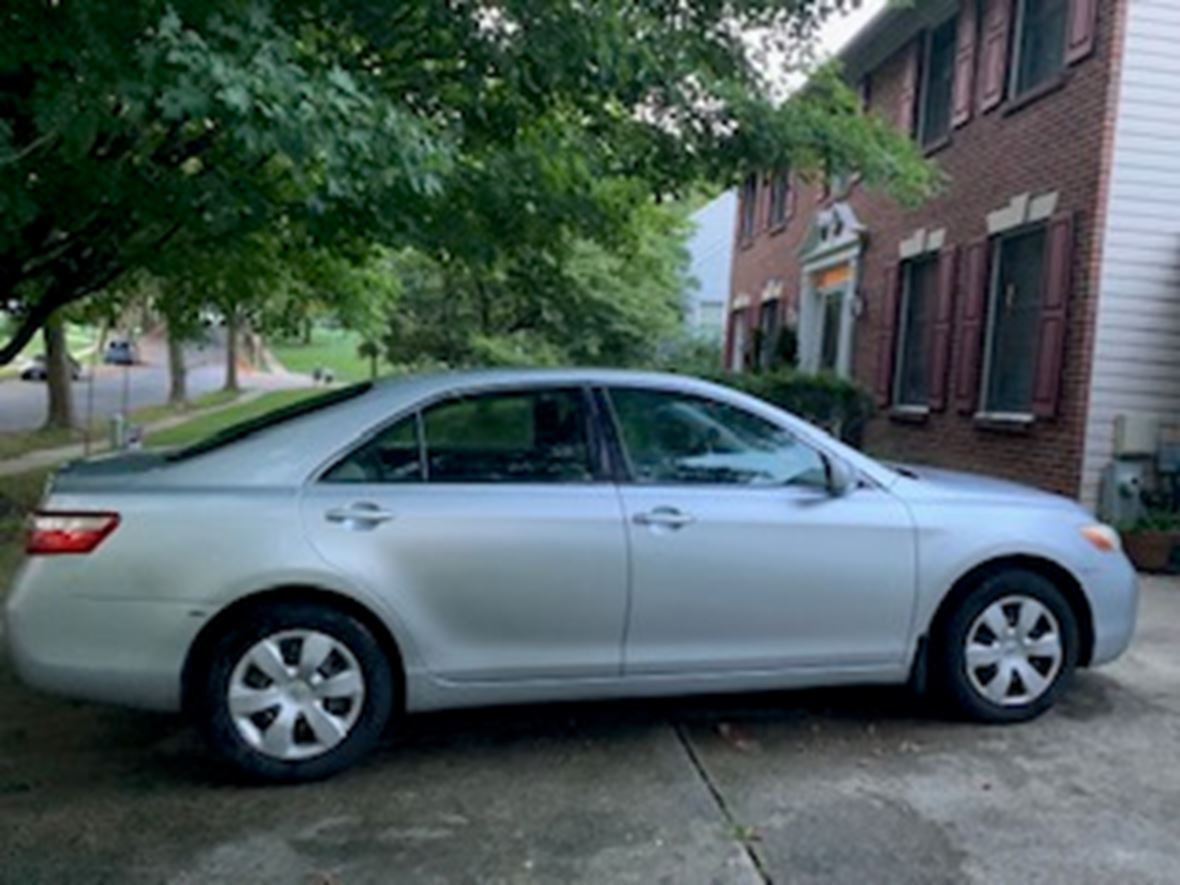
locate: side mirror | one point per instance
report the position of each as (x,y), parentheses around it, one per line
(842,478)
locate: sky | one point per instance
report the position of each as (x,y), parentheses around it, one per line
(838,31)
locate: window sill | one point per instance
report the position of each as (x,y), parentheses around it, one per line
(929,150)
(745,242)
(1004,422)
(778,227)
(1019,102)
(909,414)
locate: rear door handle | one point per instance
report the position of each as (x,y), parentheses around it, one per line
(664,517)
(362,513)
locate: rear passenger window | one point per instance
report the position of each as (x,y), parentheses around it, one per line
(538,436)
(394,455)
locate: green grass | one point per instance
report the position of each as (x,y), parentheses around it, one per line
(206,425)
(335,349)
(22,442)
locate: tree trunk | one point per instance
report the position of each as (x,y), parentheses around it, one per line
(177,372)
(373,364)
(307,331)
(231,350)
(59,377)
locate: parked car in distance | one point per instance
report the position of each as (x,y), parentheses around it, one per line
(120,352)
(37,369)
(520,536)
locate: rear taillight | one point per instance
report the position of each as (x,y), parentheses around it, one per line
(75,532)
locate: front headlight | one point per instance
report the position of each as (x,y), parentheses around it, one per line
(1102,537)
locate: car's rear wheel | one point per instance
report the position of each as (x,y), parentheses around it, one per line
(294,692)
(1007,652)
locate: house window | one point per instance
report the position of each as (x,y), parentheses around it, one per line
(767,332)
(749,207)
(917,323)
(1014,317)
(1040,43)
(780,193)
(938,77)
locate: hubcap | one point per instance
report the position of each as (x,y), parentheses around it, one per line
(296,694)
(1014,651)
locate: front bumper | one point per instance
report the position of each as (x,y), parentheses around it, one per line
(1113,592)
(114,650)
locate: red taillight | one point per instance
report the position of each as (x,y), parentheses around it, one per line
(59,532)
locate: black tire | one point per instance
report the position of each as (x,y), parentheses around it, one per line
(209,697)
(949,667)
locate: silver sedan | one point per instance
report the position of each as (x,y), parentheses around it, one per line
(495,537)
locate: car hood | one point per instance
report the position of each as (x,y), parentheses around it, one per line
(922,483)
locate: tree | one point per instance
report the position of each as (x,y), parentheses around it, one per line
(476,132)
(585,304)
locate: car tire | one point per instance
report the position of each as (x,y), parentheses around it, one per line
(299,664)
(1008,650)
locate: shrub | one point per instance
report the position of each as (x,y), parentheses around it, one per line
(838,406)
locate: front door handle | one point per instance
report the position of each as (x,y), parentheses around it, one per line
(664,517)
(362,514)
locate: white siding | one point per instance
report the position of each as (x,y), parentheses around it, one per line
(1137,345)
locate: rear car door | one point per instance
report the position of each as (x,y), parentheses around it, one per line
(741,558)
(487,522)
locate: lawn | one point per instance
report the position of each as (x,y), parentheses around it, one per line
(335,349)
(205,425)
(17,443)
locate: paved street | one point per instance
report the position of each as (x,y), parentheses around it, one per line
(22,403)
(844,786)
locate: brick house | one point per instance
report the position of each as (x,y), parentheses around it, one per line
(1009,324)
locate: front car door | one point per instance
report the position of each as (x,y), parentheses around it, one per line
(741,559)
(487,524)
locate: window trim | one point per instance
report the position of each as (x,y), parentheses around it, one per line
(627,474)
(1016,97)
(748,208)
(931,146)
(601,469)
(985,415)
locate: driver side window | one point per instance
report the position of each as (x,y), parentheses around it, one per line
(680,439)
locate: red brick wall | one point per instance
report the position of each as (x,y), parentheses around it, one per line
(1054,143)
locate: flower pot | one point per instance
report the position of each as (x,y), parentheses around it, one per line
(1151,551)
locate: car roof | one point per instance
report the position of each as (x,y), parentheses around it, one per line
(291,451)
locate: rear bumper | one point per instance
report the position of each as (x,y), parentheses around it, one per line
(121,651)
(1113,592)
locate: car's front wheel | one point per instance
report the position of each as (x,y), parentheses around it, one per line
(1008,650)
(294,692)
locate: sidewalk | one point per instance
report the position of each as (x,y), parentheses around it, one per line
(48,457)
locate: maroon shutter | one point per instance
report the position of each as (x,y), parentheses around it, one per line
(972,306)
(964,88)
(1082,14)
(907,100)
(887,333)
(1054,308)
(994,73)
(944,320)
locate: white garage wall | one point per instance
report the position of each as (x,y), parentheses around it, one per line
(1137,345)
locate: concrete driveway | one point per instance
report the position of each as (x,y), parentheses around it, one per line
(839,786)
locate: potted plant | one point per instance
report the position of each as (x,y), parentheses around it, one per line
(1153,541)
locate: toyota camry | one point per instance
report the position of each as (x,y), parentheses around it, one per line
(295,582)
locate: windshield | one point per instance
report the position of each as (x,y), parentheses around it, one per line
(270,419)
